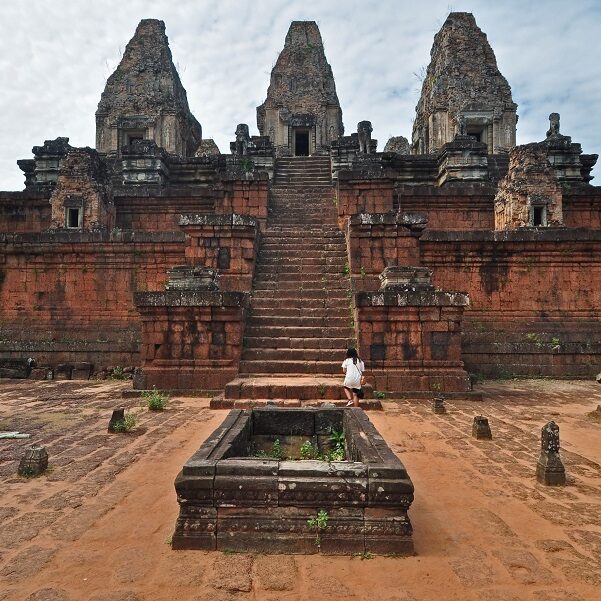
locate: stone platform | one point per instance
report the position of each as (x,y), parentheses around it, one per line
(232,500)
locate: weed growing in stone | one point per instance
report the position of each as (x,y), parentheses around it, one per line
(275,452)
(379,394)
(127,424)
(118,373)
(156,401)
(337,441)
(307,450)
(319,523)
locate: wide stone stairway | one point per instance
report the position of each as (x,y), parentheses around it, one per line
(299,324)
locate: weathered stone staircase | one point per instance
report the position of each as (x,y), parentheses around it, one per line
(299,324)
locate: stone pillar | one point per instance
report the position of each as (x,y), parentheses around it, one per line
(550,469)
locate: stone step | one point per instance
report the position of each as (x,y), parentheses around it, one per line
(290,292)
(300,292)
(323,387)
(309,320)
(297,268)
(219,402)
(280,263)
(270,242)
(287,306)
(284,254)
(302,315)
(285,354)
(324,329)
(283,342)
(305,274)
(290,367)
(275,239)
(298,286)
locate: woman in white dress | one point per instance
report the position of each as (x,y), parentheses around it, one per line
(353,368)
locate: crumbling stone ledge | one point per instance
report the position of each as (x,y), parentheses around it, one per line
(191,298)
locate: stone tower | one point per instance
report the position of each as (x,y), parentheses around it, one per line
(301,114)
(463,91)
(144,99)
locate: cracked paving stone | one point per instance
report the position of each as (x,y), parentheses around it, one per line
(276,573)
(232,573)
(49,594)
(26,563)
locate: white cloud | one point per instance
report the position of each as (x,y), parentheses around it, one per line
(55,58)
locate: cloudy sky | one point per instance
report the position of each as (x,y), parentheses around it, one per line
(55,58)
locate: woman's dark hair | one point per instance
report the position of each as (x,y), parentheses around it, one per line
(351,353)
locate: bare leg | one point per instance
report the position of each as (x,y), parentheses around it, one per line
(348,395)
(355,400)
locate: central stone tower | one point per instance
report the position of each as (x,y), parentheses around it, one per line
(301,114)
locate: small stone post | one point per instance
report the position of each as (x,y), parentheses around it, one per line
(34,462)
(550,469)
(481,428)
(438,406)
(118,416)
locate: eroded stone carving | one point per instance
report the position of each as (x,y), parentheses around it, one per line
(242,139)
(529,195)
(550,469)
(481,428)
(398,144)
(364,130)
(83,196)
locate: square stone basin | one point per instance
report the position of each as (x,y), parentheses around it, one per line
(232,500)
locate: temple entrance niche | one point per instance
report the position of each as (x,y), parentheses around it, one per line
(301,142)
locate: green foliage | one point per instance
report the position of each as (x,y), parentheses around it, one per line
(155,400)
(118,373)
(322,390)
(436,386)
(477,378)
(379,394)
(126,424)
(319,523)
(307,450)
(346,269)
(337,441)
(362,271)
(534,339)
(275,452)
(246,164)
(27,472)
(555,343)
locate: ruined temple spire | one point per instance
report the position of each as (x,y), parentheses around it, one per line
(144,98)
(301,98)
(463,89)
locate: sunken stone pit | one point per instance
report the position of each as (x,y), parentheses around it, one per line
(234,496)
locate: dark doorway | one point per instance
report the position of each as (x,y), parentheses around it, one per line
(301,143)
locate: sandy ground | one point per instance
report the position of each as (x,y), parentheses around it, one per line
(96,527)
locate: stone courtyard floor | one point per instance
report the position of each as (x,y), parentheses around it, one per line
(97,525)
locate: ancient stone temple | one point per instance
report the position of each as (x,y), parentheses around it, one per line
(144,99)
(301,114)
(463,92)
(248,273)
